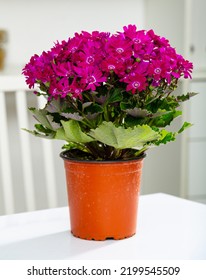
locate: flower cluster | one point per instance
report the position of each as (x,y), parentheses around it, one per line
(109,96)
(132,59)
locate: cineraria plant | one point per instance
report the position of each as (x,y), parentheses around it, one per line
(109,96)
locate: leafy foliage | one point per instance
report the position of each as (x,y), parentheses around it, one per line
(122,138)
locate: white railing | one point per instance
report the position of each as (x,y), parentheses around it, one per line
(17,84)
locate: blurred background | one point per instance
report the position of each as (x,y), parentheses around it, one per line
(27,182)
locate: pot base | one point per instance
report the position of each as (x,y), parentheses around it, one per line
(103,238)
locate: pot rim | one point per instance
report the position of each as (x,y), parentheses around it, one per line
(65,157)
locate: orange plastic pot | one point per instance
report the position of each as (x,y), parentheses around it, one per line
(103,197)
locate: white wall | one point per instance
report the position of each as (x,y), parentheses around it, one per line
(162,168)
(34,25)
(183,23)
(166,17)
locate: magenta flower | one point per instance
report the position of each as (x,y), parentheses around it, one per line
(59,88)
(109,64)
(158,70)
(131,60)
(117,46)
(77,89)
(63,70)
(135,82)
(130,31)
(185,67)
(90,77)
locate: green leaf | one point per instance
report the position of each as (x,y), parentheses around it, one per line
(40,128)
(92,108)
(60,134)
(166,118)
(74,116)
(184,126)
(50,135)
(168,103)
(115,96)
(41,116)
(133,121)
(126,106)
(137,112)
(71,132)
(56,105)
(122,138)
(166,136)
(185,97)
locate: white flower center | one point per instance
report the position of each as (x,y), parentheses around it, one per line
(136,40)
(77,91)
(136,84)
(91,80)
(90,59)
(73,49)
(157,70)
(119,50)
(111,67)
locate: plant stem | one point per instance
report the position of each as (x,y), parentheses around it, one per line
(139,152)
(93,148)
(106,114)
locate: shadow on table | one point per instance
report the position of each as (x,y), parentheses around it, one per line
(61,245)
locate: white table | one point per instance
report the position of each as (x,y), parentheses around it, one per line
(168,228)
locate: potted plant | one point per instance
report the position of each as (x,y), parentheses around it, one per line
(109,97)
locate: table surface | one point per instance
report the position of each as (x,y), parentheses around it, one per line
(168,228)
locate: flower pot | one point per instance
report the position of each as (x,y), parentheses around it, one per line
(103,197)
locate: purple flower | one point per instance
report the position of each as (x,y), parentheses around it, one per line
(77,89)
(59,88)
(63,70)
(131,60)
(135,82)
(118,47)
(91,77)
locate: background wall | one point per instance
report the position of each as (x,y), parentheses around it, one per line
(183,23)
(34,25)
